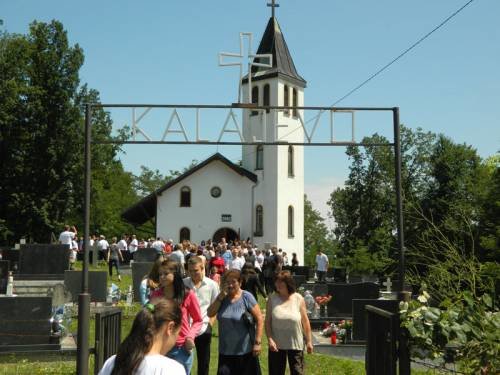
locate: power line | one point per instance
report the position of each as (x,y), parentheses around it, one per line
(388,64)
(403,53)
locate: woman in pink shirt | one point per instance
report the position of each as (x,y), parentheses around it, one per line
(172,287)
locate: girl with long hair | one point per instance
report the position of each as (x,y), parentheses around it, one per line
(172,288)
(153,334)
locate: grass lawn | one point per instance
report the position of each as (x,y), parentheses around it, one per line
(316,364)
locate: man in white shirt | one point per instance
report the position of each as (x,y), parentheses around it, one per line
(321,265)
(102,247)
(206,291)
(68,235)
(133,245)
(238,260)
(159,246)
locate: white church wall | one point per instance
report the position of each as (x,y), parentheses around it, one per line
(276,190)
(204,217)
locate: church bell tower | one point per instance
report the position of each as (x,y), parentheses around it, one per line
(278,196)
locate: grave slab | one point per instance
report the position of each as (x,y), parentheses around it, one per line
(43,259)
(25,321)
(139,270)
(97,285)
(343,294)
(147,254)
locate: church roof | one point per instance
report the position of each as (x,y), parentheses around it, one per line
(145,209)
(273,42)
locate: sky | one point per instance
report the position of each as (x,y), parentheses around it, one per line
(166,52)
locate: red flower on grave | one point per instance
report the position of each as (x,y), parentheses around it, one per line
(323,300)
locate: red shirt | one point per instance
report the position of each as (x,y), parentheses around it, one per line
(190,308)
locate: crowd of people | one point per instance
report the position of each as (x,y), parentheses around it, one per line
(191,286)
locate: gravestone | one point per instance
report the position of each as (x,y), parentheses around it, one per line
(343,294)
(41,259)
(4,275)
(298,270)
(299,280)
(147,254)
(25,322)
(139,270)
(97,285)
(359,314)
(12,256)
(339,274)
(320,290)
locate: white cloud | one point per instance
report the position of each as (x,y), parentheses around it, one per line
(319,193)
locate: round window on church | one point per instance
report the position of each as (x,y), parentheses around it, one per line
(215,192)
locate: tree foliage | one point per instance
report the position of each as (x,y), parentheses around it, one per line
(42,137)
(441,180)
(316,234)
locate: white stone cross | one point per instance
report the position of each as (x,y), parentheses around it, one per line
(251,62)
(388,284)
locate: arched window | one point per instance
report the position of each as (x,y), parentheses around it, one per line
(295,101)
(259,221)
(266,96)
(255,98)
(290,161)
(185,197)
(290,221)
(185,234)
(286,100)
(259,157)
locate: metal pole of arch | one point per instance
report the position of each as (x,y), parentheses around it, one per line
(82,360)
(399,202)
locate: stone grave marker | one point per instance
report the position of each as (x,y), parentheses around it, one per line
(359,315)
(299,280)
(320,290)
(97,285)
(147,254)
(4,275)
(338,274)
(343,294)
(24,321)
(12,256)
(139,270)
(43,259)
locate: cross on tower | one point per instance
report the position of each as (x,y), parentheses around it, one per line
(273,5)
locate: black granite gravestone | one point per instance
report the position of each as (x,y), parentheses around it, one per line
(299,280)
(97,284)
(343,294)
(147,254)
(12,255)
(339,274)
(25,321)
(41,259)
(320,290)
(359,315)
(139,270)
(298,270)
(4,275)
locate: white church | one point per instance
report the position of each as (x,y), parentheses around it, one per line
(261,199)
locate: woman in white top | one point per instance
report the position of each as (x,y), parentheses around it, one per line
(287,326)
(153,334)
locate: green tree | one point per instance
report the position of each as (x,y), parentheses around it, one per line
(38,125)
(42,137)
(316,234)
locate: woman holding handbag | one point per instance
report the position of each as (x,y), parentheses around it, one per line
(240,327)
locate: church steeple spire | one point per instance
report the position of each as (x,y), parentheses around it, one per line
(273,42)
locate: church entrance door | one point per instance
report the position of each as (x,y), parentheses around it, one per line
(227,233)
